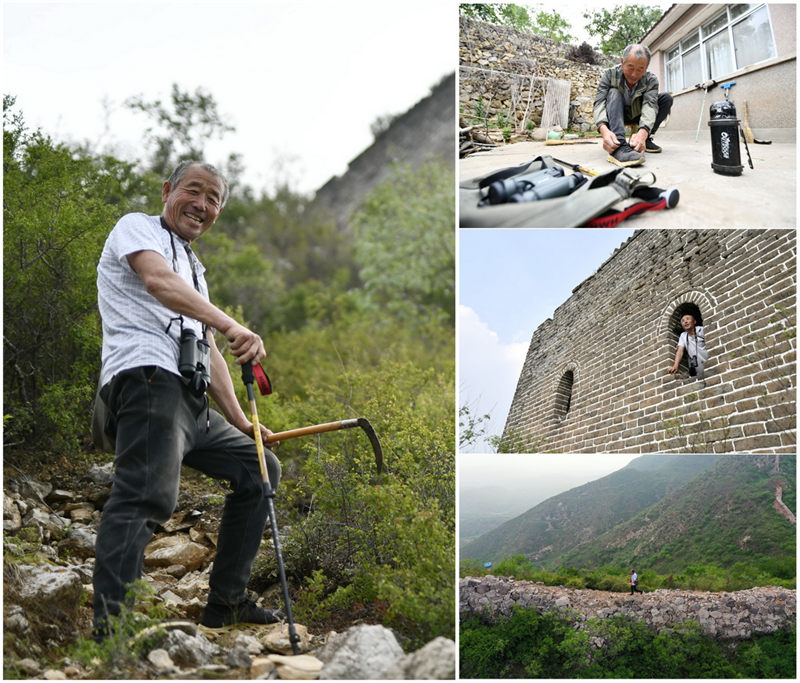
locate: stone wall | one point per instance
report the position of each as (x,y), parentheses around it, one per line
(506,71)
(425,132)
(595,377)
(733,615)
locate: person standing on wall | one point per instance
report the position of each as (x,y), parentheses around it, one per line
(628,93)
(635,582)
(693,340)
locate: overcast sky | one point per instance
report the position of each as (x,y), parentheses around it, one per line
(300,81)
(548,475)
(509,282)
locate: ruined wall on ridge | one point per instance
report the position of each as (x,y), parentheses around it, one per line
(595,377)
(727,615)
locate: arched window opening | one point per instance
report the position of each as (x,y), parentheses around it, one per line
(675,329)
(564,394)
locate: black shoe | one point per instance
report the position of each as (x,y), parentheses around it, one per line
(651,146)
(246,612)
(625,155)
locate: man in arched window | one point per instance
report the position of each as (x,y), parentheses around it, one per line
(693,341)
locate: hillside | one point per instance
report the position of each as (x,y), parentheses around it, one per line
(549,530)
(725,515)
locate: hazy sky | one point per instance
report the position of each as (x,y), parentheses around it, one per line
(300,81)
(514,471)
(510,281)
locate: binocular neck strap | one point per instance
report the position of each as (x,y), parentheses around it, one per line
(190,257)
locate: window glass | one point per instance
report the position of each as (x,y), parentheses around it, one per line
(716,23)
(739,10)
(674,81)
(692,68)
(674,52)
(691,39)
(752,39)
(718,55)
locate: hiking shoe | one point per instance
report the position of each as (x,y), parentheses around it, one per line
(651,146)
(625,155)
(246,612)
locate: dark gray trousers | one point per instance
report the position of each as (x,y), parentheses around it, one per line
(159,427)
(618,114)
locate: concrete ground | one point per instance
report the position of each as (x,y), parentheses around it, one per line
(762,197)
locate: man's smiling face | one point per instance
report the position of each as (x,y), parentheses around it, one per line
(193,204)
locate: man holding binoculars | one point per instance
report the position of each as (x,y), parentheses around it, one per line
(159,359)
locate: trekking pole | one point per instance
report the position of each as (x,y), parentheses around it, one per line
(269,494)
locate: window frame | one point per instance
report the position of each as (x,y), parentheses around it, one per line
(703,38)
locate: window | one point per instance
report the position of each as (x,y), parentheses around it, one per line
(564,394)
(675,328)
(736,37)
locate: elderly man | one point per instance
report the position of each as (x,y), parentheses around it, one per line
(628,93)
(153,298)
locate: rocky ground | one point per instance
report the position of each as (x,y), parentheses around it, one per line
(49,534)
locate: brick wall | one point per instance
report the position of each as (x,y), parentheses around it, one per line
(616,336)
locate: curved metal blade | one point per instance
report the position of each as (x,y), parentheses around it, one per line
(373,439)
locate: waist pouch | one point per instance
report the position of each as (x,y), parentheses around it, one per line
(590,200)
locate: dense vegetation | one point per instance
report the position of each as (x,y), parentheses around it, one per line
(530,645)
(357,322)
(701,577)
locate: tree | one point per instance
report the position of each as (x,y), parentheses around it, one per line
(548,24)
(499,13)
(621,26)
(404,244)
(58,207)
(552,25)
(182,127)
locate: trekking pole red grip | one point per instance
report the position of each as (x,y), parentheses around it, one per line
(251,372)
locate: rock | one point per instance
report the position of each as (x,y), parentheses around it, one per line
(12,517)
(434,661)
(102,475)
(48,525)
(16,621)
(238,658)
(60,496)
(249,643)
(277,639)
(261,667)
(161,660)
(78,543)
(38,490)
(82,513)
(49,589)
(301,667)
(361,652)
(189,651)
(54,675)
(29,666)
(187,553)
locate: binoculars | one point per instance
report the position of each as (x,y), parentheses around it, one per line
(543,184)
(194,362)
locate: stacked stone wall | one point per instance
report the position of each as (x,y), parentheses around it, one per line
(617,337)
(505,71)
(728,615)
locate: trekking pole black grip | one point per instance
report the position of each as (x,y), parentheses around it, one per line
(247,373)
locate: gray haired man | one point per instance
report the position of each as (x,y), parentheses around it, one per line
(628,94)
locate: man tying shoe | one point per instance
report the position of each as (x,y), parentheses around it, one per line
(154,305)
(628,93)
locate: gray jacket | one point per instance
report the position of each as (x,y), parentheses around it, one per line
(644,103)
